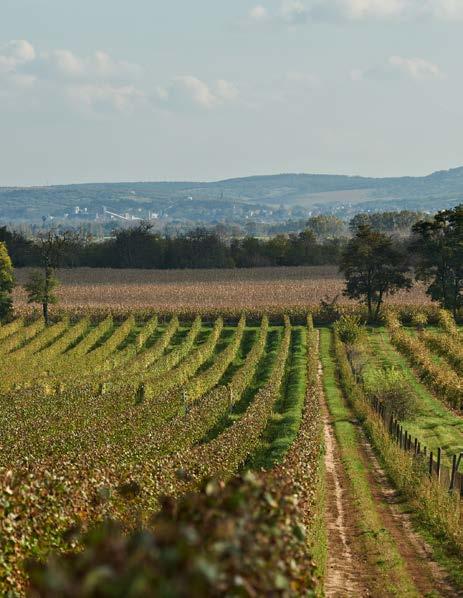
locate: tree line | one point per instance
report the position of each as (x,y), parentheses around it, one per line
(140,247)
(375,264)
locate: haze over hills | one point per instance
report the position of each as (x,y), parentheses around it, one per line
(273,197)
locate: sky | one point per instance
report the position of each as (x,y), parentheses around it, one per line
(149,90)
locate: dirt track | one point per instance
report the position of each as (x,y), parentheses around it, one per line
(348,571)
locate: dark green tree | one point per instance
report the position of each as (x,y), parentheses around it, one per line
(6,282)
(438,248)
(327,226)
(374,267)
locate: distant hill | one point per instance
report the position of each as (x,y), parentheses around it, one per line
(207,201)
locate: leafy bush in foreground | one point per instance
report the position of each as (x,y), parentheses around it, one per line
(204,545)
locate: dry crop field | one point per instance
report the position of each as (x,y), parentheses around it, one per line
(102,419)
(202,290)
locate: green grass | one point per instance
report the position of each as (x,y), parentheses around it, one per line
(380,547)
(284,424)
(224,340)
(263,372)
(434,512)
(153,338)
(434,425)
(131,337)
(249,338)
(102,339)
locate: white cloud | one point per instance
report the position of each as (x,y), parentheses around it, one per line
(362,9)
(302,80)
(416,68)
(226,90)
(399,66)
(258,13)
(66,63)
(445,9)
(295,12)
(99,82)
(14,54)
(101,97)
(188,92)
(105,66)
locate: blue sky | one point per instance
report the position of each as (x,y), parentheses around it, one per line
(147,90)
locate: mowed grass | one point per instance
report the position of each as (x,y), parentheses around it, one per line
(261,376)
(284,424)
(434,425)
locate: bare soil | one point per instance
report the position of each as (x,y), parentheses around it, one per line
(348,573)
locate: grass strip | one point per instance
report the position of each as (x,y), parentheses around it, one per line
(434,510)
(284,424)
(380,547)
(434,424)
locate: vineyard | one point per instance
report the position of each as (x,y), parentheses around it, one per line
(262,456)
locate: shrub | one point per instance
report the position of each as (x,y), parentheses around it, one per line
(357,360)
(6,282)
(388,387)
(199,546)
(447,322)
(349,329)
(419,320)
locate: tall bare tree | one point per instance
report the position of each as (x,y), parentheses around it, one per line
(54,249)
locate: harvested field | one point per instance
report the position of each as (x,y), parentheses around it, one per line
(171,290)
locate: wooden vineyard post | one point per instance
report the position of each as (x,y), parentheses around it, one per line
(454,471)
(230,397)
(439,457)
(430,463)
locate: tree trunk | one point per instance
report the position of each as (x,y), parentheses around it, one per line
(48,275)
(378,306)
(45,313)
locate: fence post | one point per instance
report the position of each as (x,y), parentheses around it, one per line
(430,463)
(416,446)
(439,457)
(454,471)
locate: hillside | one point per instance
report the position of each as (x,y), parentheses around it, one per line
(236,199)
